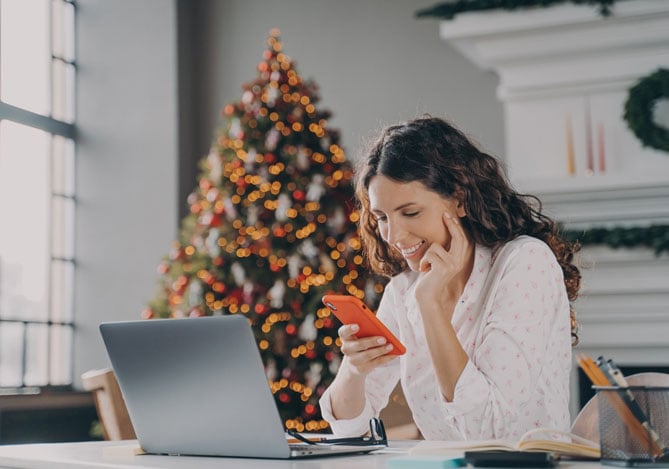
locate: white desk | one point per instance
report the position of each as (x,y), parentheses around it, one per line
(120,455)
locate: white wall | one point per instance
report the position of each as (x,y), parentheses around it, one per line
(126,161)
(375,63)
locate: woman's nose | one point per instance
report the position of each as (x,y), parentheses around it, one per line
(394,232)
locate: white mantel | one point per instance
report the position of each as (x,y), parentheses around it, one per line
(563,63)
(568,64)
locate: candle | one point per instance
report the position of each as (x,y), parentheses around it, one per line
(600,148)
(571,165)
(588,139)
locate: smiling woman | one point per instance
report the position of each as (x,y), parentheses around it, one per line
(415,214)
(480,291)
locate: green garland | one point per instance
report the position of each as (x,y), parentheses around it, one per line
(655,237)
(639,109)
(447,10)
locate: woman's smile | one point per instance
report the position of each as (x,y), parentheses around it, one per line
(412,251)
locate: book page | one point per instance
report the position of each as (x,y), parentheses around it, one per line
(457,448)
(562,446)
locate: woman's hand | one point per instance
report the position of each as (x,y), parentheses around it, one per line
(444,273)
(445,269)
(365,354)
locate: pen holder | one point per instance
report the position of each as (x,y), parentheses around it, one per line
(634,425)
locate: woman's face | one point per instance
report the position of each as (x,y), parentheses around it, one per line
(411,216)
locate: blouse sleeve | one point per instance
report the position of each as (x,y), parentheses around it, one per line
(526,311)
(378,384)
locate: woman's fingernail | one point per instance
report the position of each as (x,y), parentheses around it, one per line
(381,340)
(447,215)
(389,347)
(355,327)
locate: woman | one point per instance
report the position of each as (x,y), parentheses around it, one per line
(480,293)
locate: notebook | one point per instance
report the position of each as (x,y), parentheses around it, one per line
(197,386)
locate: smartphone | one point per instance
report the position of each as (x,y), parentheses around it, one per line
(350,310)
(510,459)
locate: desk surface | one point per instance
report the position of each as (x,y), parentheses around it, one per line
(120,455)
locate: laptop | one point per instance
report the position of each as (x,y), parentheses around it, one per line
(197,386)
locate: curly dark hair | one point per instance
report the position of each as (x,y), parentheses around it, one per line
(441,157)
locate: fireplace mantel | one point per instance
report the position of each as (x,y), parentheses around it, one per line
(564,74)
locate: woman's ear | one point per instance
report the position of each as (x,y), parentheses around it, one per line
(459,197)
(460,209)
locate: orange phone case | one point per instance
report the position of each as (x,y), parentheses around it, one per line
(350,310)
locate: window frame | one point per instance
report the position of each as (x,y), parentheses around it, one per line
(67,130)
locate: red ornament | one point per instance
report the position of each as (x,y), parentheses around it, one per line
(236,294)
(270,158)
(210,219)
(291,329)
(298,195)
(310,409)
(284,397)
(180,284)
(209,279)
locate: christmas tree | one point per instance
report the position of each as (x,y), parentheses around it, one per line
(271,229)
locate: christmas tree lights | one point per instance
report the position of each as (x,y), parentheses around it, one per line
(271,229)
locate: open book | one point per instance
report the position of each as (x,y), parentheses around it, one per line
(539,439)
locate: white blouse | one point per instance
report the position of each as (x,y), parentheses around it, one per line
(512,321)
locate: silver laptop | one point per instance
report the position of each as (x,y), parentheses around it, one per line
(197,386)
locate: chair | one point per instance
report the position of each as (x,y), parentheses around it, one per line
(111,408)
(397,418)
(586,423)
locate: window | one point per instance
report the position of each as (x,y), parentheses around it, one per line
(37,192)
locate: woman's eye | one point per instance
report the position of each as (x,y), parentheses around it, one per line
(411,214)
(381,219)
